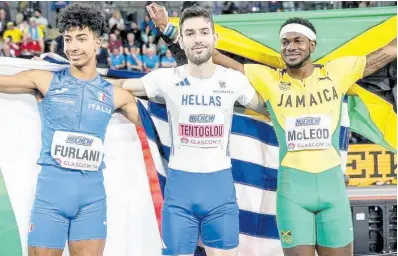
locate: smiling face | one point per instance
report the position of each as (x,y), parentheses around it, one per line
(198,39)
(80,46)
(296,49)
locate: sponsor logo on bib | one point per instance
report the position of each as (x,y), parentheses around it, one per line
(201,118)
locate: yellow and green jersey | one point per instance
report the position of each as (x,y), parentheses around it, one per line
(306,114)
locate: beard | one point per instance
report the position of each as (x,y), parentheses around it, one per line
(298,65)
(199,60)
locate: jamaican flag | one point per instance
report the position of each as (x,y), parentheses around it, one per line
(342,32)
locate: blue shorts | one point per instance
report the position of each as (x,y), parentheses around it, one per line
(69,205)
(199,203)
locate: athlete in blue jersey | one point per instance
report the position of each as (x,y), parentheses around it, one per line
(75,107)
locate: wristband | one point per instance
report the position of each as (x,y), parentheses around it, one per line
(166,29)
(170,31)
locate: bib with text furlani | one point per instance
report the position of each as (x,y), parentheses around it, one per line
(203,130)
(308,132)
(77,151)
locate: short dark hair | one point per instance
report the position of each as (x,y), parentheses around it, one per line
(300,21)
(196,11)
(38,10)
(82,16)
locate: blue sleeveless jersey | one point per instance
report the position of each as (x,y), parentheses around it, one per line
(74,105)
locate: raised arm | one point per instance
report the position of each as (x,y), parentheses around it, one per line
(380,58)
(26,82)
(160,18)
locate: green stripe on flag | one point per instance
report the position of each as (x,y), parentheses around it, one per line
(347,24)
(361,123)
(10,242)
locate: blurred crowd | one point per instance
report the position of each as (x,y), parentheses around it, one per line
(131,44)
(133,47)
(127,46)
(22,37)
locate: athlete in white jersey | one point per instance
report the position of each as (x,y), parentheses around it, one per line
(200,96)
(200,113)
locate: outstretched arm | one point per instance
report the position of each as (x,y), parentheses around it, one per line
(26,82)
(225,61)
(380,58)
(133,85)
(16,90)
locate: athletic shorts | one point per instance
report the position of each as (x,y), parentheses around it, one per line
(313,208)
(199,203)
(69,205)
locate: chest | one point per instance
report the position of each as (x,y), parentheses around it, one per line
(75,105)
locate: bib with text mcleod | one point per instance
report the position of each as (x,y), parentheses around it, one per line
(201,130)
(77,151)
(308,132)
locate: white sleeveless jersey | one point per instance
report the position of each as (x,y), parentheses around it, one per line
(199,114)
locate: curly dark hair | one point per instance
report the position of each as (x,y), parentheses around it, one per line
(82,15)
(300,21)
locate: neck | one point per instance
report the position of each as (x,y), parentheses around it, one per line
(87,72)
(202,71)
(302,72)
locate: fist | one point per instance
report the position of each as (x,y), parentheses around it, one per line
(158,15)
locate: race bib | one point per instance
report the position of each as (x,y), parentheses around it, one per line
(201,130)
(308,132)
(77,151)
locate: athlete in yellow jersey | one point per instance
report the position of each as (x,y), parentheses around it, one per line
(304,100)
(313,209)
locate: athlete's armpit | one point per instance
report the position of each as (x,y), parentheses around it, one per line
(379,58)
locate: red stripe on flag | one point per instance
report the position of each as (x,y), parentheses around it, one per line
(153,180)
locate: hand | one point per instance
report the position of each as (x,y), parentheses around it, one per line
(159,15)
